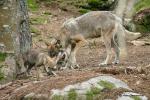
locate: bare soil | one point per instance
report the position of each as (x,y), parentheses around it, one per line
(88,59)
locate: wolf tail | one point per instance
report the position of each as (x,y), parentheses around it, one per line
(121,43)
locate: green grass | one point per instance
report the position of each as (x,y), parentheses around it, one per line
(142,4)
(92,93)
(37,21)
(83,11)
(106,85)
(136,98)
(34,30)
(33,5)
(72,95)
(89,95)
(57,97)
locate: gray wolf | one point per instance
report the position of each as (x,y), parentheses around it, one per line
(33,58)
(75,31)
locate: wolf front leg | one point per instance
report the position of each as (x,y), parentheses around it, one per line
(72,62)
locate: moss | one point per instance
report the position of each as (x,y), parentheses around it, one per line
(136,98)
(106,85)
(72,95)
(57,97)
(33,5)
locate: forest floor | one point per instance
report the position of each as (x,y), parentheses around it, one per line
(88,58)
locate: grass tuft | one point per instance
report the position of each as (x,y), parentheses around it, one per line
(93,92)
(57,97)
(142,4)
(72,95)
(106,85)
(136,98)
(33,5)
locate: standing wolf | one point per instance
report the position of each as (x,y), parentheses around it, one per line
(93,24)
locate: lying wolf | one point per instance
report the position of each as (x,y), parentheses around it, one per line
(33,58)
(75,31)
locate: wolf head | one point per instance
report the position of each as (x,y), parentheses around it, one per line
(54,47)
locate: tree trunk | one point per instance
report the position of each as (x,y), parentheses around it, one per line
(125,8)
(14,30)
(14,26)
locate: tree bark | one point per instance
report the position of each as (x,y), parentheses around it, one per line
(14,29)
(125,8)
(14,26)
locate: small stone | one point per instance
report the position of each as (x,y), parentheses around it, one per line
(5,8)
(5,26)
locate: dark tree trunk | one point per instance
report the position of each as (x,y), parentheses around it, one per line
(14,29)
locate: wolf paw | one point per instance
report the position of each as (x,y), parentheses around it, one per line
(74,66)
(103,64)
(115,62)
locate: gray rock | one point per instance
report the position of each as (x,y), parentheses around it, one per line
(131,95)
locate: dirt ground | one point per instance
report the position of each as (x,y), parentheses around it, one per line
(88,59)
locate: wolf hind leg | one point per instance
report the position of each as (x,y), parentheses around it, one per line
(117,52)
(107,42)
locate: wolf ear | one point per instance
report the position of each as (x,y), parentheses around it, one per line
(47,43)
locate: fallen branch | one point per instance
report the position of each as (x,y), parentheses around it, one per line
(120,70)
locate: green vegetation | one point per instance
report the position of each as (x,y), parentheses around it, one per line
(57,97)
(72,95)
(106,85)
(34,30)
(142,4)
(83,11)
(100,4)
(2,56)
(92,93)
(136,98)
(38,20)
(143,23)
(1,74)
(33,5)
